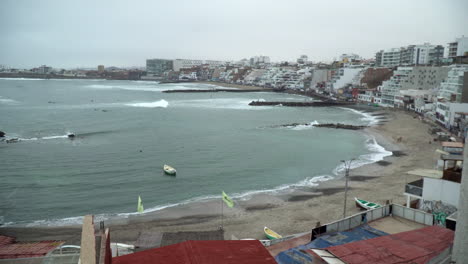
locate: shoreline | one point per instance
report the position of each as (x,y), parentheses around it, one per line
(287,213)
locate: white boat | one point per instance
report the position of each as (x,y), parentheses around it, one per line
(366,204)
(169,170)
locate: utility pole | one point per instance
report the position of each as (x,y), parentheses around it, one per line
(347,166)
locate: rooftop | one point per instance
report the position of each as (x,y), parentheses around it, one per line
(416,246)
(198,252)
(9,249)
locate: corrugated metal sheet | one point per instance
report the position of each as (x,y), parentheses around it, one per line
(416,246)
(198,252)
(299,254)
(28,249)
(4,240)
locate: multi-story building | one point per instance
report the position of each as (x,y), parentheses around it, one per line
(157,67)
(458,48)
(425,78)
(349,57)
(100,68)
(188,64)
(424,54)
(391,88)
(389,58)
(455,87)
(303,59)
(259,60)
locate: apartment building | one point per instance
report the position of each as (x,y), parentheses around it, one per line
(391,88)
(458,47)
(157,67)
(455,87)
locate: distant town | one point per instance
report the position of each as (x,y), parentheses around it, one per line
(415,77)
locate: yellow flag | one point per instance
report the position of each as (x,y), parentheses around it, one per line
(228,200)
(140,208)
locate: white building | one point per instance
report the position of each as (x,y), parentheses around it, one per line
(454,88)
(445,112)
(391,88)
(388,58)
(458,48)
(303,59)
(187,64)
(349,57)
(343,77)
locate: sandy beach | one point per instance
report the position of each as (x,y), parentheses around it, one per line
(290,213)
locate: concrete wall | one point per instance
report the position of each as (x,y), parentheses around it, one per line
(460,252)
(88,241)
(441,190)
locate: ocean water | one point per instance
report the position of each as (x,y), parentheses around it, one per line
(127,130)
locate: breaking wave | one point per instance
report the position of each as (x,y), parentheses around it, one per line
(7,101)
(370,119)
(161,103)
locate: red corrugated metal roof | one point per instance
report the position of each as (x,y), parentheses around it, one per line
(206,252)
(4,240)
(416,246)
(27,249)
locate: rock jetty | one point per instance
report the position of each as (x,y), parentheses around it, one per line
(300,104)
(329,125)
(218,90)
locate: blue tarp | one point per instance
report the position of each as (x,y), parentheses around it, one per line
(298,256)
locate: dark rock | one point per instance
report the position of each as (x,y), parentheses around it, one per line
(2,134)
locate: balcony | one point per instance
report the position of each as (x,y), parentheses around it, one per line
(414,188)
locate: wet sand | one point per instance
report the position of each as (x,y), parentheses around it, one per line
(291,213)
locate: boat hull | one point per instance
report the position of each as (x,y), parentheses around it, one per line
(168,170)
(270,234)
(366,205)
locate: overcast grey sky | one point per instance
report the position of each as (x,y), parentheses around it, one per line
(125,33)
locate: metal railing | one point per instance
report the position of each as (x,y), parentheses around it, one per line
(56,259)
(356,220)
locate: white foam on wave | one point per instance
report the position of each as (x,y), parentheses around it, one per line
(7,101)
(370,119)
(55,137)
(304,127)
(161,103)
(378,154)
(22,79)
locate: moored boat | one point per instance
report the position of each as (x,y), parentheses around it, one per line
(271,234)
(169,170)
(366,204)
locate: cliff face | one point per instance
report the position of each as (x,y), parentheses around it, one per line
(374,77)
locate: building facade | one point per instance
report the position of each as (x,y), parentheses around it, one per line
(458,48)
(157,67)
(455,87)
(391,88)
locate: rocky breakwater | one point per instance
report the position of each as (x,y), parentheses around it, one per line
(300,104)
(328,125)
(218,90)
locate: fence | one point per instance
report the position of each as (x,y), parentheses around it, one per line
(356,220)
(56,259)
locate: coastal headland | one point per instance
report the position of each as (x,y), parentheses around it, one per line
(287,213)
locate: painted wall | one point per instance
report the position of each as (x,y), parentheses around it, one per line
(441,190)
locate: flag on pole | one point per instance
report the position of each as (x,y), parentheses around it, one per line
(228,200)
(140,208)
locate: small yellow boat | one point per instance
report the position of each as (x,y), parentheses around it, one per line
(271,234)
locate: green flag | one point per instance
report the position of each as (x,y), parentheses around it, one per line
(140,208)
(228,200)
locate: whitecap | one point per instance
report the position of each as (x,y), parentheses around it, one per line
(378,154)
(370,119)
(161,103)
